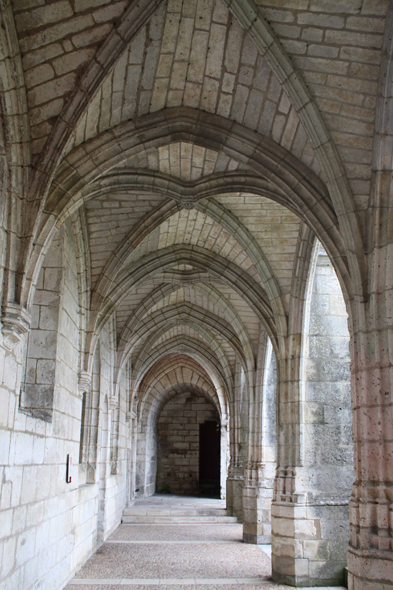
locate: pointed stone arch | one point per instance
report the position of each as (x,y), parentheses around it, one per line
(301,189)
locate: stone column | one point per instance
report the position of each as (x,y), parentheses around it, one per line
(238,447)
(131,420)
(223,456)
(257,499)
(370,554)
(260,466)
(235,473)
(234,488)
(315,472)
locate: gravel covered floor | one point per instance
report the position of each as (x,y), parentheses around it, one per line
(176,557)
(210,586)
(199,560)
(185,532)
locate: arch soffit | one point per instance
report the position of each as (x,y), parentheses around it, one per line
(17,159)
(202,321)
(301,189)
(208,343)
(163,291)
(302,260)
(303,192)
(382,185)
(217,266)
(98,156)
(167,364)
(329,159)
(202,259)
(222,216)
(166,395)
(159,378)
(193,349)
(139,180)
(14,104)
(149,397)
(300,278)
(131,21)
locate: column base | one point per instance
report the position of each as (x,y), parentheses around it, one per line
(309,544)
(370,570)
(257,539)
(257,503)
(235,497)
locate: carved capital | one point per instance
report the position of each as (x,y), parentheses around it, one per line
(236,469)
(130,416)
(84,383)
(15,324)
(186,203)
(113,403)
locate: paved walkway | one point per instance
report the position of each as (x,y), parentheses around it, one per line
(177,556)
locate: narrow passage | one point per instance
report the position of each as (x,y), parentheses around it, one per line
(178,543)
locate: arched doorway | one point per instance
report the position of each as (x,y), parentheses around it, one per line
(188,446)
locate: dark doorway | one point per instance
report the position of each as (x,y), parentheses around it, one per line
(209,459)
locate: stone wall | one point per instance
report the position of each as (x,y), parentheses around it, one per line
(37,390)
(178,442)
(48,528)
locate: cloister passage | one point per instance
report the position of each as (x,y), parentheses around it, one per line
(196,280)
(172,542)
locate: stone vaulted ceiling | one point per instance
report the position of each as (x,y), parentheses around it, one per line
(176,144)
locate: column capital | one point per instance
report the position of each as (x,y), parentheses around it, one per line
(236,469)
(131,416)
(15,321)
(113,403)
(84,383)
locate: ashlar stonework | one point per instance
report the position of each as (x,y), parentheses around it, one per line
(196,228)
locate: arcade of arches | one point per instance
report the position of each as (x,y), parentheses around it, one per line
(197,277)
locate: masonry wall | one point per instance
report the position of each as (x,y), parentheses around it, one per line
(325,475)
(48,528)
(178,442)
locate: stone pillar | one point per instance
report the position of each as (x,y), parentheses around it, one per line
(315,473)
(309,536)
(260,466)
(238,438)
(370,553)
(131,420)
(257,500)
(223,456)
(234,489)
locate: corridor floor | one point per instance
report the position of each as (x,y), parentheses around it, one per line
(186,556)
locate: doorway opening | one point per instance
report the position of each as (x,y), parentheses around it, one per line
(209,459)
(179,450)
